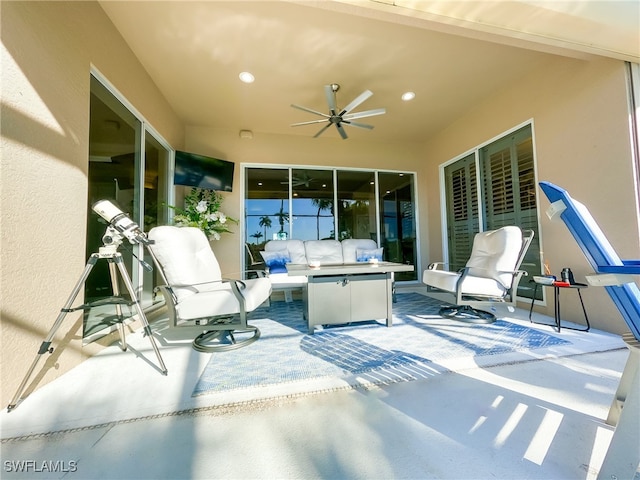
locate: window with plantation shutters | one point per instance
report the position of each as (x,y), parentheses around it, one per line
(462,209)
(507,196)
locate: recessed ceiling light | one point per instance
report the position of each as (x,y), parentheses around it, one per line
(408,96)
(246,77)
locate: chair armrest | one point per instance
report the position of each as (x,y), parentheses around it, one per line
(494,274)
(238,283)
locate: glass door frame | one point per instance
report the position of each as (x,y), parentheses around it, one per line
(143,130)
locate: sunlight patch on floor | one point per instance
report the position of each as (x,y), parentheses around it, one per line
(542,439)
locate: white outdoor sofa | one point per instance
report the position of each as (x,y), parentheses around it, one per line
(278,253)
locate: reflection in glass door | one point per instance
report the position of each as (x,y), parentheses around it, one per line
(356,205)
(398,220)
(138,185)
(114,134)
(156,194)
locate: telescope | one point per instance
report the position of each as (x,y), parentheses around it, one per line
(121,222)
(120,226)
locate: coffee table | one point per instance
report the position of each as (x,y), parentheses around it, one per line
(345,293)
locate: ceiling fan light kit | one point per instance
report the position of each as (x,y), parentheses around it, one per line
(340,117)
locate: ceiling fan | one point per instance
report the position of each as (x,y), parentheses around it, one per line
(340,117)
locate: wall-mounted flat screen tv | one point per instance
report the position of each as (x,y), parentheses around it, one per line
(203,172)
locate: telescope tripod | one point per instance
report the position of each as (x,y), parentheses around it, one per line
(116,264)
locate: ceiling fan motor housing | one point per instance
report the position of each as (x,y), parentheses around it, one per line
(344,116)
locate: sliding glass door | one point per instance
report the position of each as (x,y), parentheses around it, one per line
(317,203)
(398,228)
(128,165)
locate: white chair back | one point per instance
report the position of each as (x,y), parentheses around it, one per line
(187,259)
(496,251)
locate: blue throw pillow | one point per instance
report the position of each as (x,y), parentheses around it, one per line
(276,261)
(368,255)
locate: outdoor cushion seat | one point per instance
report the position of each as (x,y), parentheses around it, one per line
(196,295)
(490,275)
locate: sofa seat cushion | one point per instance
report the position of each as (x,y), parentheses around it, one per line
(281,281)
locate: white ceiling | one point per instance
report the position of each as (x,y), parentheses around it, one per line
(450,53)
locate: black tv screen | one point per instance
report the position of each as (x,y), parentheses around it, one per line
(203,172)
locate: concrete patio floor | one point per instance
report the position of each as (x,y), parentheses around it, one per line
(536,416)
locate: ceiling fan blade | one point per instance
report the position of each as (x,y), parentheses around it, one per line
(322,130)
(366,113)
(309,110)
(331,99)
(341,131)
(311,122)
(360,125)
(356,101)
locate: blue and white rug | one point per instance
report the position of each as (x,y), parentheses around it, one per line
(416,346)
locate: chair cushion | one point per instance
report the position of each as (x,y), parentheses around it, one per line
(187,259)
(471,285)
(496,251)
(223,301)
(323,251)
(351,245)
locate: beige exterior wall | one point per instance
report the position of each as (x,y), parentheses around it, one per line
(48,50)
(581,134)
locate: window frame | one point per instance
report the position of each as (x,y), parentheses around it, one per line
(476,153)
(244,167)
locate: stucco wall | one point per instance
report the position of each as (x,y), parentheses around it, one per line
(48,50)
(581,136)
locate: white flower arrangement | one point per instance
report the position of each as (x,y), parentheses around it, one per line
(202,210)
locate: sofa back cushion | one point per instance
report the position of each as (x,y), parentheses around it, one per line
(323,251)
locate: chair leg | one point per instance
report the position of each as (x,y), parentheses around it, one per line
(213,340)
(466,313)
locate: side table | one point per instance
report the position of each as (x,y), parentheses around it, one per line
(556,300)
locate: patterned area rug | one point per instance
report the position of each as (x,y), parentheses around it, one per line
(362,353)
